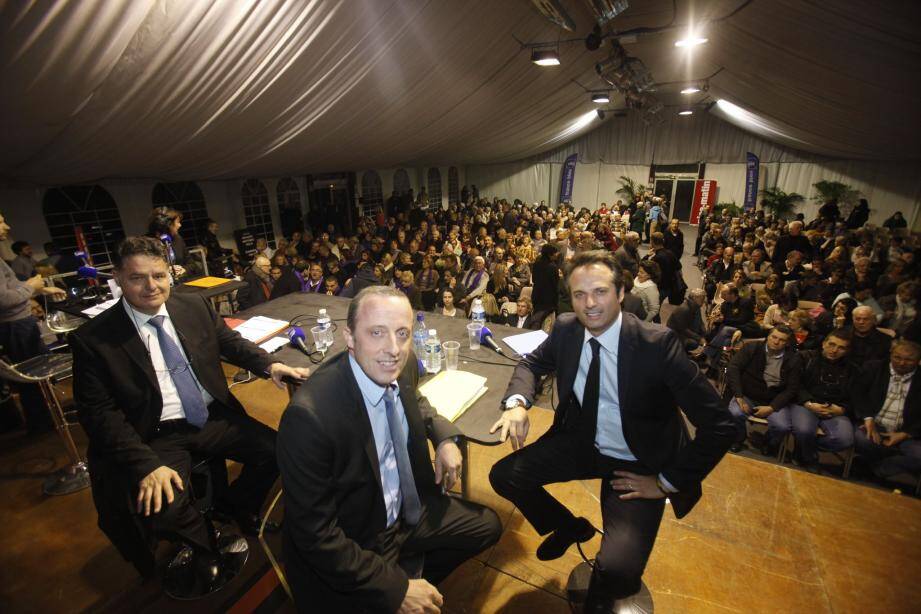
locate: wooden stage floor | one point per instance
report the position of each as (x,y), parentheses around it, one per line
(764,538)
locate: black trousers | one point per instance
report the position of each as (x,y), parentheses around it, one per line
(22,340)
(630,527)
(227,434)
(449,532)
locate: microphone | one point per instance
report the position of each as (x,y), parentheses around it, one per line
(487,340)
(87,272)
(296,336)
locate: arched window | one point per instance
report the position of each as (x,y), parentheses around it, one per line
(290,213)
(453,190)
(186,198)
(83,217)
(372,193)
(256,212)
(401,181)
(434,188)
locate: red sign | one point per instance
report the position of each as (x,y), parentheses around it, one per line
(704,196)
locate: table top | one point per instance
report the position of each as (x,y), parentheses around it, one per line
(475,422)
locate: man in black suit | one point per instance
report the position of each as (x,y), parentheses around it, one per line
(688,323)
(258,284)
(523,316)
(150,392)
(366,526)
(887,401)
(621,382)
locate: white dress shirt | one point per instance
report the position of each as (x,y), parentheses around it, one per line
(172,406)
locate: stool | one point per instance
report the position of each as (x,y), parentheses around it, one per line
(577,590)
(46,370)
(208,476)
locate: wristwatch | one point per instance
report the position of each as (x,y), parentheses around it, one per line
(515,401)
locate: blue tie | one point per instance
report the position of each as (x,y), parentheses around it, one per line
(181,372)
(412,507)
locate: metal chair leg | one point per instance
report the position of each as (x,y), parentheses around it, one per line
(848,461)
(75,477)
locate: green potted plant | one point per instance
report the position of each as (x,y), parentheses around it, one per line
(844,194)
(778,203)
(630,189)
(734,209)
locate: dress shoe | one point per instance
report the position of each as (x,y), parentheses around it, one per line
(207,570)
(560,540)
(249,524)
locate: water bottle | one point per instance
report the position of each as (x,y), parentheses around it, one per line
(477,313)
(324,321)
(432,352)
(420,335)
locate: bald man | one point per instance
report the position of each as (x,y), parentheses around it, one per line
(867,343)
(259,284)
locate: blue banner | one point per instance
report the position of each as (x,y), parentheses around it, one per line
(567,178)
(751,181)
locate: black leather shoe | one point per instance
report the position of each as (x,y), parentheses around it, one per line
(560,540)
(249,524)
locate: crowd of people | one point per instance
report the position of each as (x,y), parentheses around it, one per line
(835,281)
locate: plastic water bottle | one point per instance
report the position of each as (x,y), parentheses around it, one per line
(420,335)
(432,352)
(324,321)
(477,313)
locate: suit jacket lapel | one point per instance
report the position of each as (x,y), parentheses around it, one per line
(625,348)
(127,338)
(571,346)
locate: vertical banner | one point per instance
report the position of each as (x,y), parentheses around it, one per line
(751,181)
(567,177)
(704,198)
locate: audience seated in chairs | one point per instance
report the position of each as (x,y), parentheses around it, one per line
(888,405)
(523,317)
(821,414)
(763,379)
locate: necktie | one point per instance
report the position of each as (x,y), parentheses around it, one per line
(181,373)
(592,391)
(412,506)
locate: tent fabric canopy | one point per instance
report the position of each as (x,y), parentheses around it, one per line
(216,89)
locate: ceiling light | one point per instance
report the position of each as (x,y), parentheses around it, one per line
(691,41)
(601,97)
(693,89)
(545,57)
(686,112)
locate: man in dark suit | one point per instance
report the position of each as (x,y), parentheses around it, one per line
(258,284)
(522,318)
(150,392)
(887,402)
(688,323)
(366,526)
(621,382)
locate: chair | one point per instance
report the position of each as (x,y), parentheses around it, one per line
(526,292)
(46,370)
(268,551)
(808,305)
(786,443)
(756,288)
(508,307)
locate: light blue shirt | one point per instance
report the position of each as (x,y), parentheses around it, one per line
(373,395)
(609,432)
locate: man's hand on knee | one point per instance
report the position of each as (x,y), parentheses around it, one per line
(155,487)
(421,598)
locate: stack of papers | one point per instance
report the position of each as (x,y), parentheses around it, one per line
(525,343)
(207,282)
(260,328)
(450,393)
(95,310)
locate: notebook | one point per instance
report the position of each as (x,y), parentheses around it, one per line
(450,393)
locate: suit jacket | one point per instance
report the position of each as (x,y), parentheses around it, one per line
(746,376)
(253,294)
(532,322)
(655,378)
(870,394)
(334,502)
(118,398)
(545,278)
(633,304)
(687,322)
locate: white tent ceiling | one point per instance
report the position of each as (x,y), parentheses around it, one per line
(205,89)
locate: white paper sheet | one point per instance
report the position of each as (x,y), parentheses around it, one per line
(95,310)
(525,343)
(274,343)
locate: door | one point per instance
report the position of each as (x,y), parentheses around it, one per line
(684,197)
(664,188)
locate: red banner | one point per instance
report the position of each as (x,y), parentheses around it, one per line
(704,196)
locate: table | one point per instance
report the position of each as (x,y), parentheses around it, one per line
(473,423)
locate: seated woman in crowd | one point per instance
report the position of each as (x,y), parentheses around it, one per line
(646,288)
(804,338)
(778,314)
